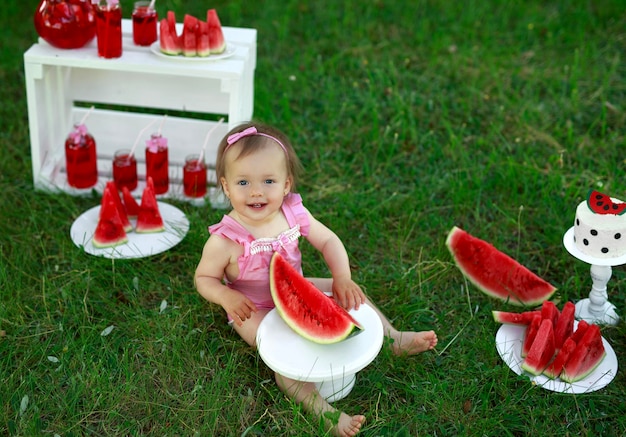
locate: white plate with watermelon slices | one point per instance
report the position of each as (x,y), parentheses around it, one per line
(509,340)
(230,50)
(138,245)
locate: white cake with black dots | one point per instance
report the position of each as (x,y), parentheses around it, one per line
(600,226)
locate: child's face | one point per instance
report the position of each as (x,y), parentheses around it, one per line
(257,183)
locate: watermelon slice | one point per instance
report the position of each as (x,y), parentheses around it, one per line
(190,27)
(495,273)
(110,230)
(588,354)
(217,43)
(580,331)
(515,318)
(130,204)
(602,204)
(531,333)
(169,40)
(110,192)
(550,311)
(554,369)
(307,310)
(542,349)
(149,218)
(564,327)
(202,39)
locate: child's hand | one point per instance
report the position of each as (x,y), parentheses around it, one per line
(238,306)
(348,294)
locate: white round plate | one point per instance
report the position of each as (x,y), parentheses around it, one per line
(230,50)
(138,245)
(570,245)
(509,340)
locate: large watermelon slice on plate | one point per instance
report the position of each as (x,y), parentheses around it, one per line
(109,230)
(307,310)
(495,273)
(149,218)
(217,43)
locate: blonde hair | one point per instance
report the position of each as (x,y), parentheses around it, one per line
(257,141)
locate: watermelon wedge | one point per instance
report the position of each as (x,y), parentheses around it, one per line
(202,39)
(169,40)
(190,26)
(542,349)
(110,191)
(550,311)
(495,273)
(585,358)
(530,334)
(564,327)
(109,230)
(217,43)
(515,318)
(130,204)
(307,310)
(554,369)
(149,218)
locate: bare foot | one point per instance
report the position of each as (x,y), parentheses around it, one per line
(348,426)
(412,343)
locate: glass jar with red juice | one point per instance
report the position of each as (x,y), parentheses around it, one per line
(81,163)
(157,162)
(144,24)
(109,28)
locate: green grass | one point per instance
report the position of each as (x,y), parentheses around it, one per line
(410,117)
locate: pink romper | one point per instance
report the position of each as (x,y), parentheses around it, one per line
(254,264)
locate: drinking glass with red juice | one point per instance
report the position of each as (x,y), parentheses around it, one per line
(157,163)
(81,163)
(194,177)
(124,170)
(109,28)
(145,21)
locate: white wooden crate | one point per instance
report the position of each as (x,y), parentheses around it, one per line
(128,93)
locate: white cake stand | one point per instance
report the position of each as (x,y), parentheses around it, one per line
(332,367)
(597,308)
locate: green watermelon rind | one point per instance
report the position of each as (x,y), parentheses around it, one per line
(533,292)
(298,285)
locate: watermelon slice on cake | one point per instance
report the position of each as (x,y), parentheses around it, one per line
(149,217)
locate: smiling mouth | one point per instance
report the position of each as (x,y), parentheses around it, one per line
(256,205)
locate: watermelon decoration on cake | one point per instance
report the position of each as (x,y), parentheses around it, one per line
(601,203)
(130,204)
(109,230)
(149,218)
(308,311)
(495,273)
(574,359)
(217,43)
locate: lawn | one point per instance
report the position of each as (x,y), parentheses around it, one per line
(410,117)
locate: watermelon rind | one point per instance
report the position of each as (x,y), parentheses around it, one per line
(495,273)
(305,309)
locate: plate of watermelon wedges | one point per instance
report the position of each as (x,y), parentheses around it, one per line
(554,350)
(199,41)
(122,228)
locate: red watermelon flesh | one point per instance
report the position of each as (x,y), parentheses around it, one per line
(495,273)
(308,311)
(169,40)
(202,39)
(110,191)
(217,42)
(554,369)
(550,311)
(585,358)
(149,218)
(580,331)
(531,332)
(523,318)
(130,204)
(542,349)
(190,26)
(110,230)
(564,326)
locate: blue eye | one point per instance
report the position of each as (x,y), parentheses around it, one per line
(269,181)
(242,183)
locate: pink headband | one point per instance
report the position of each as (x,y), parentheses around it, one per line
(232,139)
